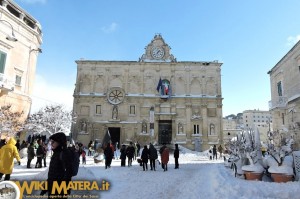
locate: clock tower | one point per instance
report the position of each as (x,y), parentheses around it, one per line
(157,51)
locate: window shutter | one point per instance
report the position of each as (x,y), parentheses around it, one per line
(2,61)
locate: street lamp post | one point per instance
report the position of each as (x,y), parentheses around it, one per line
(11,37)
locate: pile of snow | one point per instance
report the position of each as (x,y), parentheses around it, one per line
(197,177)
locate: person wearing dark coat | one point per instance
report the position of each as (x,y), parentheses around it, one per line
(152,156)
(215,152)
(145,157)
(18,145)
(2,143)
(176,156)
(39,154)
(123,155)
(30,154)
(24,144)
(60,168)
(89,148)
(108,152)
(130,153)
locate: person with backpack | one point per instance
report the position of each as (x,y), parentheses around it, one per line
(60,168)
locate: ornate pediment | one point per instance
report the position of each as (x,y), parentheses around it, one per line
(157,51)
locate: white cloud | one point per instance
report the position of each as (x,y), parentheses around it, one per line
(46,94)
(33,1)
(292,40)
(111,28)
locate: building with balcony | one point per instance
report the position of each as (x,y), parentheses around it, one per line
(262,120)
(20,41)
(155,99)
(285,94)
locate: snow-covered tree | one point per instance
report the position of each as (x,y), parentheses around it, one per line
(52,118)
(10,122)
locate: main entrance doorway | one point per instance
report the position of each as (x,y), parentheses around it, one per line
(114,135)
(165,131)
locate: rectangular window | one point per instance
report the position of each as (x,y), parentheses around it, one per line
(2,61)
(196,129)
(98,109)
(282,115)
(132,109)
(18,80)
(279,88)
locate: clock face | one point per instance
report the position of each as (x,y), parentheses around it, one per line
(115,96)
(157,52)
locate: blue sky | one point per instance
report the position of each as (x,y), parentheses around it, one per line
(248,37)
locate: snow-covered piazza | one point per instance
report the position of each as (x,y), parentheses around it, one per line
(197,177)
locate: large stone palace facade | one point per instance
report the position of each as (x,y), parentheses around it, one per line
(155,99)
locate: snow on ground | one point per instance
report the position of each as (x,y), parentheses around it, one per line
(197,177)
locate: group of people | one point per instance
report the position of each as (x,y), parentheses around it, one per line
(148,155)
(213,152)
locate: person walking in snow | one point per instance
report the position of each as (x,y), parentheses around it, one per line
(7,154)
(45,149)
(135,151)
(39,154)
(210,153)
(215,152)
(165,158)
(220,149)
(108,152)
(176,156)
(123,155)
(60,167)
(130,153)
(83,156)
(30,154)
(145,157)
(160,152)
(152,156)
(90,148)
(138,146)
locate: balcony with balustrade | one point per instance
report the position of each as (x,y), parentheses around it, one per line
(278,102)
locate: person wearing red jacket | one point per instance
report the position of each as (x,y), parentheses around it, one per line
(165,158)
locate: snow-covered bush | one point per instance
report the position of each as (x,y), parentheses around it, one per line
(279,159)
(53,118)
